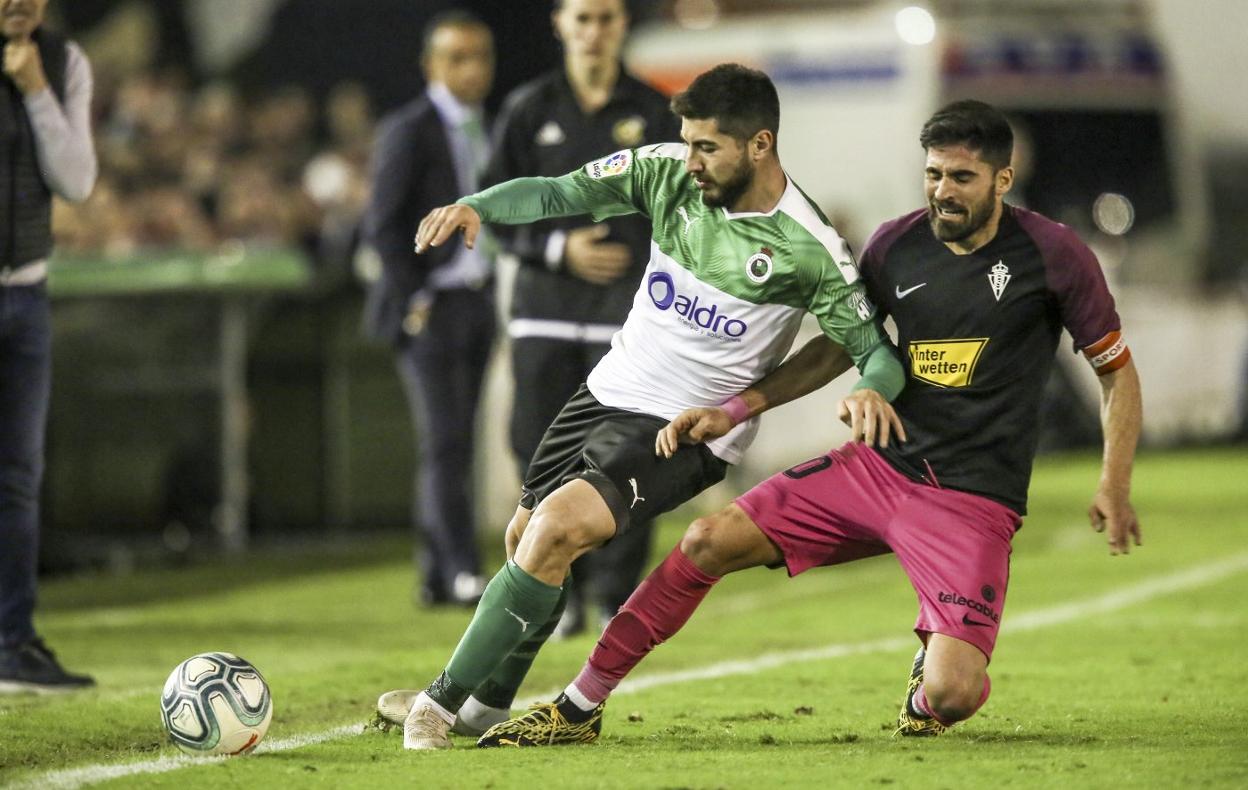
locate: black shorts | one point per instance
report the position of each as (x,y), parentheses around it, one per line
(613,450)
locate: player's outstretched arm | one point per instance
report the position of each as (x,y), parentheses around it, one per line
(1121,415)
(521,201)
(817,362)
(441,223)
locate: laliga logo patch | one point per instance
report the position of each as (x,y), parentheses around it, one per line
(612,165)
(758,268)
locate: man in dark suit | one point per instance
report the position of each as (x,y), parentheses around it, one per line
(437,310)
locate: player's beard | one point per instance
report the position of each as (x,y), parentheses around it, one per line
(975,216)
(728,191)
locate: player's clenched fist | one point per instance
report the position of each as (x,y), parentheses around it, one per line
(441,223)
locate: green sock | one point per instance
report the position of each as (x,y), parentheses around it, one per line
(499,690)
(515,606)
(448,693)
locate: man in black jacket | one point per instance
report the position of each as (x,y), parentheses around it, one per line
(576,280)
(438,310)
(45,134)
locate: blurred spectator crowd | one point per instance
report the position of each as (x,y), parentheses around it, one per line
(189,168)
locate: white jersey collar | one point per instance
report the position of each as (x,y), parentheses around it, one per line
(790,190)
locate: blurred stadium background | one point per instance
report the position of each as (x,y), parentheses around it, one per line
(211,387)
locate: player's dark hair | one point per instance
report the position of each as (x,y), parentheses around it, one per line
(742,101)
(979,126)
(452,18)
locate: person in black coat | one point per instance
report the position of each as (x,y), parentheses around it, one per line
(437,310)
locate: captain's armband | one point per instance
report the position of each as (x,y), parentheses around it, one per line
(1108,354)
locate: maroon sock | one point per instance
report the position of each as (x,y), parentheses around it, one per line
(655,611)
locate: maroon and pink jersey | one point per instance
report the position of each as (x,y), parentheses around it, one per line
(977,335)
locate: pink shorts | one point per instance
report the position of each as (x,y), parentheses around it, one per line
(851,504)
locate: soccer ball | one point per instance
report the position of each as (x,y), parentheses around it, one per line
(216,703)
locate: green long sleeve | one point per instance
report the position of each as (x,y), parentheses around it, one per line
(882,372)
(524,200)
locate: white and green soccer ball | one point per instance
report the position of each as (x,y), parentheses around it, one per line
(216,703)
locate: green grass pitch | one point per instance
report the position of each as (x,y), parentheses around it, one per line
(1110,672)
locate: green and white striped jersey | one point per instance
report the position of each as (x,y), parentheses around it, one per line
(723,295)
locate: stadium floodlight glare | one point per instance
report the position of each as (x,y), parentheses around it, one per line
(915,25)
(1113,213)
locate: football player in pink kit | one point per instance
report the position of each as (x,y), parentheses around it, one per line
(980,292)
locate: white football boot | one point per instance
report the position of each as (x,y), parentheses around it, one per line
(427,725)
(393,706)
(474,717)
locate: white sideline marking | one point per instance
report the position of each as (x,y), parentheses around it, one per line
(1156,587)
(1197,576)
(1027,621)
(71,778)
(765,661)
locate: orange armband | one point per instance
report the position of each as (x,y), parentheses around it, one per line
(1108,354)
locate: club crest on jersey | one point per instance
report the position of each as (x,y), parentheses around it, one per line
(629,131)
(759,267)
(612,165)
(998,278)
